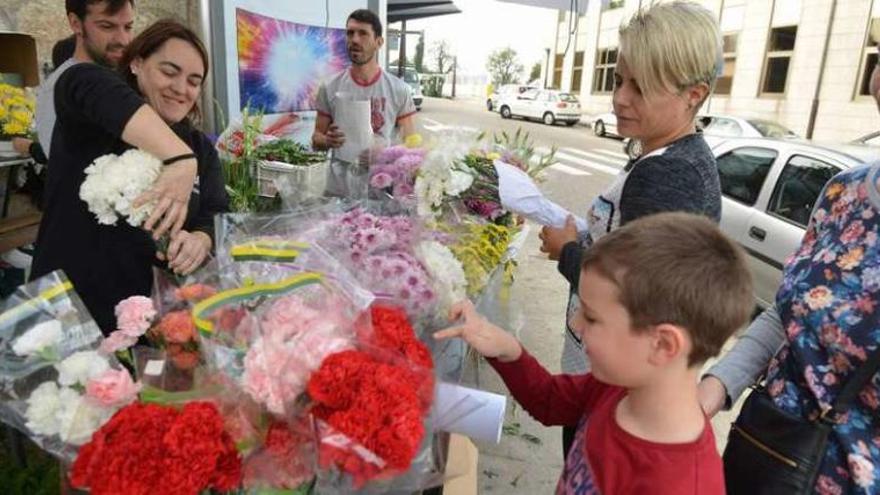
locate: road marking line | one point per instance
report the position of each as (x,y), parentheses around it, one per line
(612,154)
(573,160)
(591,156)
(558,167)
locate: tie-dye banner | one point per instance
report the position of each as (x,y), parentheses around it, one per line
(282,63)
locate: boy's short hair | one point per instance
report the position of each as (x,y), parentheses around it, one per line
(368,17)
(671,46)
(79,7)
(677,268)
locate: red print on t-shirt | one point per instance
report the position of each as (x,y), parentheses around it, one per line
(377,118)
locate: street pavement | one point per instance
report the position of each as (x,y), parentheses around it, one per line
(528,459)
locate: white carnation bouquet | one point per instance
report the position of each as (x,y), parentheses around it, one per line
(113,182)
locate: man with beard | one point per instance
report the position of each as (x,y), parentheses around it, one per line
(390,98)
(102,29)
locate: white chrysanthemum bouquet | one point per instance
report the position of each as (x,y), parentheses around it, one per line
(113,182)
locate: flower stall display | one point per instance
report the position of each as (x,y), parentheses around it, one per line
(462,176)
(56,387)
(371,404)
(16,111)
(288,166)
(150,449)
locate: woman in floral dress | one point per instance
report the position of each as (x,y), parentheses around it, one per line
(828,304)
(827,322)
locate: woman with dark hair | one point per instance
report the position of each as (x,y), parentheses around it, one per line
(164,67)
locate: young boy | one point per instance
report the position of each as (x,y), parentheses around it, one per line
(658,297)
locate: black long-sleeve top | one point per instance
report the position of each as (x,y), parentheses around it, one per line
(107,263)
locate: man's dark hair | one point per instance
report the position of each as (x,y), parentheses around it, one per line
(63,50)
(368,17)
(79,7)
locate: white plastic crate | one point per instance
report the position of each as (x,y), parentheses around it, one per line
(307,181)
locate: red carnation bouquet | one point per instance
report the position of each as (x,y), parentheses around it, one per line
(153,449)
(371,404)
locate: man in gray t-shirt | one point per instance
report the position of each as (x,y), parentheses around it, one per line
(391,103)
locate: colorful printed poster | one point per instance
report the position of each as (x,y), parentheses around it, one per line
(282,63)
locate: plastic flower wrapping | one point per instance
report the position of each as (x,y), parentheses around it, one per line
(55,385)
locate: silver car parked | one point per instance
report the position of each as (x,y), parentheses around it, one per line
(769,188)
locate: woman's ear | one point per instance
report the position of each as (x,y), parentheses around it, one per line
(136,65)
(695,95)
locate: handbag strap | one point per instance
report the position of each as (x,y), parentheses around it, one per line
(853,386)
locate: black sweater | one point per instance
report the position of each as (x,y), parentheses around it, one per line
(107,263)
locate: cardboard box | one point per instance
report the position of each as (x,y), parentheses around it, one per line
(18,55)
(461,466)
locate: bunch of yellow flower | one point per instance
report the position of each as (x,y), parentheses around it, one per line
(16,111)
(480,250)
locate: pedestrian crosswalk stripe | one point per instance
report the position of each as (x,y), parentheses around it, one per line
(559,167)
(592,156)
(612,154)
(582,163)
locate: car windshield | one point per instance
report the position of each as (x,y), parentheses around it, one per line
(771,129)
(570,98)
(411,76)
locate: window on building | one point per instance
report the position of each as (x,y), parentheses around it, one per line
(725,80)
(603,79)
(742,172)
(780,48)
(557,70)
(577,73)
(798,188)
(869,57)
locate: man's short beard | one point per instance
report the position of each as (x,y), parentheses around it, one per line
(96,55)
(365,62)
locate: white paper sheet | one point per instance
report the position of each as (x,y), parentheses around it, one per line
(475,413)
(354,120)
(520,194)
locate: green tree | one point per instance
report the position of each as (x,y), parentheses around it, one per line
(535,74)
(504,67)
(442,56)
(419,57)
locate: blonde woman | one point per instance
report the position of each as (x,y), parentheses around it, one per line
(667,64)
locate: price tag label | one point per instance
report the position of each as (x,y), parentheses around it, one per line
(154,367)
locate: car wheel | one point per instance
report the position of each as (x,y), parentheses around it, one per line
(599,128)
(505,112)
(489,105)
(549,119)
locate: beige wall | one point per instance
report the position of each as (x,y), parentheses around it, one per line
(46,21)
(842,114)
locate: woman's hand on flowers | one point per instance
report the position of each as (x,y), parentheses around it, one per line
(553,239)
(187,251)
(486,338)
(171,192)
(712,395)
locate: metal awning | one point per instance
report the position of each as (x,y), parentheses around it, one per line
(407,10)
(579,5)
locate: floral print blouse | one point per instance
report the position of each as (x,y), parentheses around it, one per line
(829,303)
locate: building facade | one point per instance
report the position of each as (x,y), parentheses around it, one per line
(781,61)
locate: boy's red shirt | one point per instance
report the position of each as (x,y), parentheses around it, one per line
(605,459)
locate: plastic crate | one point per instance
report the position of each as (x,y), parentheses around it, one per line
(307,181)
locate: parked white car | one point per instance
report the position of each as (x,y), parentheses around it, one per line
(769,188)
(550,106)
(506,91)
(605,125)
(729,126)
(716,126)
